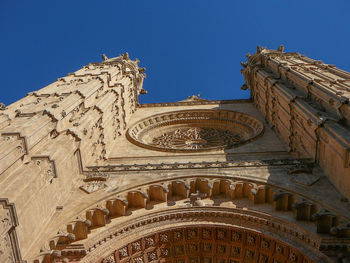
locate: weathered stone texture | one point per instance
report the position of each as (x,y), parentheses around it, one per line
(306,101)
(96,177)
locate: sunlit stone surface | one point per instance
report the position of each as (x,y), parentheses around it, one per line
(87,174)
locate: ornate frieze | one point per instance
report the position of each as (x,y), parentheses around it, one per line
(197,165)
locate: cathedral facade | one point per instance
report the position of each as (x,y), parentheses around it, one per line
(87,174)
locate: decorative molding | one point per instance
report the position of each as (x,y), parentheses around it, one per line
(205,217)
(14,146)
(9,246)
(22,148)
(92,186)
(190,103)
(94,182)
(47,167)
(209,243)
(194,192)
(197,165)
(163,132)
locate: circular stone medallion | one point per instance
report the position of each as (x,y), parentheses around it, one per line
(195,130)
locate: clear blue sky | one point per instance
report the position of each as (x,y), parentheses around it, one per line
(188,47)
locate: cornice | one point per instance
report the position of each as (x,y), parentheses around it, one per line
(193,103)
(195,165)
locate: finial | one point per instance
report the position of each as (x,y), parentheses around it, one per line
(244,87)
(258,49)
(280,48)
(194,97)
(125,56)
(141,70)
(104,57)
(137,60)
(2,106)
(248,55)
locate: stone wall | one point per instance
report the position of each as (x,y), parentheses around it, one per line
(47,135)
(79,164)
(306,102)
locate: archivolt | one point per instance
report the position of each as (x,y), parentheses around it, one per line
(161,204)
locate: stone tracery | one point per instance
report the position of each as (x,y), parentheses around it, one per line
(197,138)
(190,131)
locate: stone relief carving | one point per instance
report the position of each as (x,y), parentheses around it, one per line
(109,259)
(195,130)
(47,168)
(5,243)
(93,186)
(77,114)
(191,137)
(197,138)
(218,245)
(208,189)
(35,103)
(9,248)
(94,182)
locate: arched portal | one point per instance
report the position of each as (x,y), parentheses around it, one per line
(91,172)
(200,234)
(179,220)
(210,243)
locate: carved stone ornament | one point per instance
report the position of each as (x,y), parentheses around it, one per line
(9,247)
(195,130)
(213,249)
(93,186)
